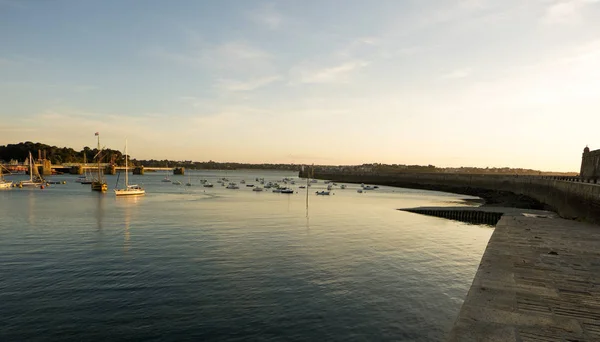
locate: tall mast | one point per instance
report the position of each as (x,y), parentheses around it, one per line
(30,167)
(126,179)
(99,155)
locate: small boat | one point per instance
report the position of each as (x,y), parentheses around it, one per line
(176,182)
(4,184)
(208,185)
(35,179)
(302,186)
(323,193)
(368,187)
(99,183)
(343,186)
(360,191)
(232,186)
(249,185)
(314,181)
(166,179)
(277,190)
(56,182)
(287,191)
(83,179)
(189,183)
(329,187)
(242,182)
(258,188)
(129,190)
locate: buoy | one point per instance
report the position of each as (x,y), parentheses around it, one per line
(41,187)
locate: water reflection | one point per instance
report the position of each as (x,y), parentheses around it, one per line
(31,208)
(100,211)
(129,203)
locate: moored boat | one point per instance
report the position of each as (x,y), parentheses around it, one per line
(129,190)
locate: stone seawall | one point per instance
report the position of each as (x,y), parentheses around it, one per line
(572,200)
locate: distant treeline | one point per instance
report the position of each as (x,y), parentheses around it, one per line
(377,168)
(212,165)
(60,155)
(56,155)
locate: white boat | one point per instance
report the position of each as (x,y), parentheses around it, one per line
(360,191)
(323,193)
(368,187)
(129,190)
(176,182)
(258,188)
(35,179)
(287,191)
(207,185)
(232,186)
(166,179)
(4,184)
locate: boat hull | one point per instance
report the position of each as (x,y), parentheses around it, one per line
(125,193)
(97,186)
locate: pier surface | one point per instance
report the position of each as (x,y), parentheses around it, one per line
(539,280)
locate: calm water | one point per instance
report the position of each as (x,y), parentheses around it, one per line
(192,263)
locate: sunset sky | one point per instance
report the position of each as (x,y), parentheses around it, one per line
(451,83)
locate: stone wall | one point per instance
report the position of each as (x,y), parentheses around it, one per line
(590,165)
(570,199)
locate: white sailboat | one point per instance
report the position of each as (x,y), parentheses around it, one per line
(4,184)
(34,175)
(129,190)
(166,179)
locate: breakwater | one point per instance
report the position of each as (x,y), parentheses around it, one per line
(567,196)
(537,281)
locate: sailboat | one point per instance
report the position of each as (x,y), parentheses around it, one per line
(129,190)
(99,184)
(4,184)
(166,179)
(189,183)
(35,179)
(84,179)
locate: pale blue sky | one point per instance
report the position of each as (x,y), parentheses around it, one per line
(451,83)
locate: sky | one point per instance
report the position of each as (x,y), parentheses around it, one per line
(451,83)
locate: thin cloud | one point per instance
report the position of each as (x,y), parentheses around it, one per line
(458,73)
(266,16)
(566,12)
(334,74)
(236,85)
(234,55)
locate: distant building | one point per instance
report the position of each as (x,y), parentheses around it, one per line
(590,165)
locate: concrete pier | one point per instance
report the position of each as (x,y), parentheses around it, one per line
(539,280)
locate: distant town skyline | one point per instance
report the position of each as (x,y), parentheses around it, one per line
(451,83)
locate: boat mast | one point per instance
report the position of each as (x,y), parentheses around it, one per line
(126,178)
(99,156)
(30,167)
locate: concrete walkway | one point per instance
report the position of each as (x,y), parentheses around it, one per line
(539,280)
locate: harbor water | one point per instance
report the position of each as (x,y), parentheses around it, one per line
(189,263)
